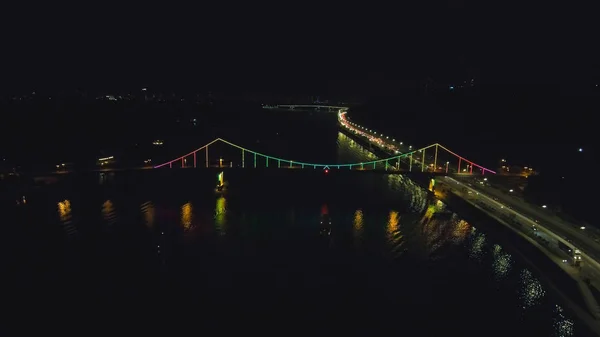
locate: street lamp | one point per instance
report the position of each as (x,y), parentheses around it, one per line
(510,190)
(543,206)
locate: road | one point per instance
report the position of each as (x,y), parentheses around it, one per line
(550,230)
(540,237)
(384,143)
(584,240)
(580,238)
(528,215)
(590,234)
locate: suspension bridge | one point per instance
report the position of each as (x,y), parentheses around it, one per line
(425,159)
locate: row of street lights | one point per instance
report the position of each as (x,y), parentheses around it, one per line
(373,132)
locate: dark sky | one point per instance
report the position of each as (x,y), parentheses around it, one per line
(301,44)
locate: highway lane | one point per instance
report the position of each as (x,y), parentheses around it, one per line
(531,230)
(545,214)
(389,146)
(581,239)
(589,250)
(535,233)
(557,231)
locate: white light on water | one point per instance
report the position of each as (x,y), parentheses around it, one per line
(502,263)
(477,246)
(563,326)
(531,291)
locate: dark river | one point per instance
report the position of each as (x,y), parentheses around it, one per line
(159,252)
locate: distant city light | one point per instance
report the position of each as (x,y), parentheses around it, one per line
(544,206)
(580,150)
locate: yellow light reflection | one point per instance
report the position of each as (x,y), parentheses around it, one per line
(461,230)
(108,209)
(395,237)
(358,221)
(431,185)
(186,216)
(358,226)
(431,209)
(435,230)
(220,212)
(149,213)
(392,225)
(64,210)
(108,212)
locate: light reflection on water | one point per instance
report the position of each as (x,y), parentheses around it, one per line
(412,194)
(350,151)
(357,225)
(220,216)
(531,292)
(563,326)
(415,227)
(64,214)
(395,237)
(392,225)
(461,231)
(187,216)
(478,241)
(108,213)
(502,263)
(149,212)
(438,233)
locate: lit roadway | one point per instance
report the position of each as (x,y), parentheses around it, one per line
(556,227)
(386,144)
(547,226)
(561,230)
(496,210)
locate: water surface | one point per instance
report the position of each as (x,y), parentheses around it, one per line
(161,248)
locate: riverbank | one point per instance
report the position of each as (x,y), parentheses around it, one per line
(577,296)
(567,287)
